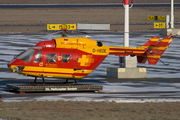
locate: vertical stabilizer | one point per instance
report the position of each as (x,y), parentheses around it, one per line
(153,53)
(152,42)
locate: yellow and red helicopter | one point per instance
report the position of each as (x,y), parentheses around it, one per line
(76,57)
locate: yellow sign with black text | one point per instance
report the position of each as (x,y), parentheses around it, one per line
(160,18)
(52,26)
(159,25)
(152,17)
(67,26)
(61,26)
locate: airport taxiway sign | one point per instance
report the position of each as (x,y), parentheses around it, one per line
(160,18)
(61,26)
(159,24)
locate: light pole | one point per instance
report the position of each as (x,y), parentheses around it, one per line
(126,21)
(172,14)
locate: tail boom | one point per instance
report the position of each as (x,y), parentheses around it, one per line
(151,50)
(125,51)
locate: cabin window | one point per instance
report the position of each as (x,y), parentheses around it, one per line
(27,55)
(51,58)
(38,57)
(66,58)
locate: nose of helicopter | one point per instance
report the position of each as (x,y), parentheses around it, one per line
(15,66)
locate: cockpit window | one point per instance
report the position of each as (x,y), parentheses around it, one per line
(37,57)
(27,55)
(51,58)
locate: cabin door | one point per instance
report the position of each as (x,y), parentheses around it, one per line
(50,63)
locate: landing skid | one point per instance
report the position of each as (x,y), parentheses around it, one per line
(35,80)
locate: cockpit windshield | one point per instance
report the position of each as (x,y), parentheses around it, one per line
(27,55)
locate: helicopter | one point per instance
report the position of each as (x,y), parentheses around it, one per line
(76,57)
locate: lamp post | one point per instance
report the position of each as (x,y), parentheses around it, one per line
(172,14)
(126,21)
